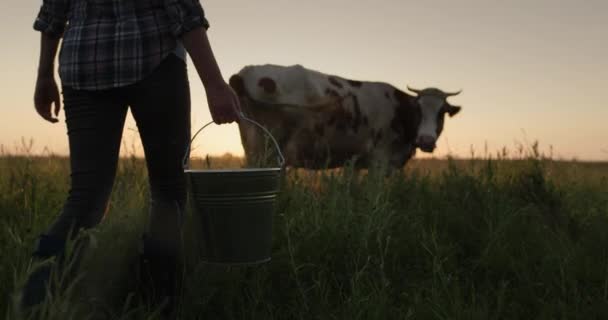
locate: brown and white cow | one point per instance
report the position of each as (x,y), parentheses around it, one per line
(322,121)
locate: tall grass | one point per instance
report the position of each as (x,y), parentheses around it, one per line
(443,239)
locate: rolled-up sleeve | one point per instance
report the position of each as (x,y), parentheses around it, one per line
(52,17)
(185,15)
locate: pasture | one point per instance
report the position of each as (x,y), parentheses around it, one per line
(490,238)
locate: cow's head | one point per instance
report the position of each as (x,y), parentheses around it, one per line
(433,106)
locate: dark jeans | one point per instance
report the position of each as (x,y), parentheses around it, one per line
(160,104)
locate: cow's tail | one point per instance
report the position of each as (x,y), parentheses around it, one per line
(238,85)
(237,82)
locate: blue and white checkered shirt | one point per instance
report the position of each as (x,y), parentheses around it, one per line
(115,43)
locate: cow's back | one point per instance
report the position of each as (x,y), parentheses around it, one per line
(317,117)
(286,85)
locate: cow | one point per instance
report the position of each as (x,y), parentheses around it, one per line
(324,121)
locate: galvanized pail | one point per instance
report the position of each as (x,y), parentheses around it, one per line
(235,208)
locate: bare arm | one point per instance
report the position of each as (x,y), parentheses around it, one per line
(48,50)
(198,47)
(47,91)
(223,103)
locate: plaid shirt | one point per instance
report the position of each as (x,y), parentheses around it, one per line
(114,43)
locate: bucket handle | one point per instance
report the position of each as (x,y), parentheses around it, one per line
(280,157)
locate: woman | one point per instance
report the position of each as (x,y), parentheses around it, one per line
(118,54)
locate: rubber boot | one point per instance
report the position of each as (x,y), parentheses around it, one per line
(35,289)
(160,275)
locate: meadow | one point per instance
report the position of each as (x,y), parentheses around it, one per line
(522,237)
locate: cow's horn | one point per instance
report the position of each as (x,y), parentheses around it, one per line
(450,94)
(414,90)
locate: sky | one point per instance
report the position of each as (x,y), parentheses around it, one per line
(530,70)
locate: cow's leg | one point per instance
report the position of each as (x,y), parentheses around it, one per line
(251,141)
(244,126)
(253,138)
(401,157)
(378,159)
(290,152)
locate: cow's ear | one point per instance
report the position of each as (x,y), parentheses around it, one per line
(453,110)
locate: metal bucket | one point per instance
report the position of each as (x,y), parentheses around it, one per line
(235,208)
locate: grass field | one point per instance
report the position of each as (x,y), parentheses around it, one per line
(444,239)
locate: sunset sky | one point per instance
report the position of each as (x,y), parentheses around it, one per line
(529,69)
